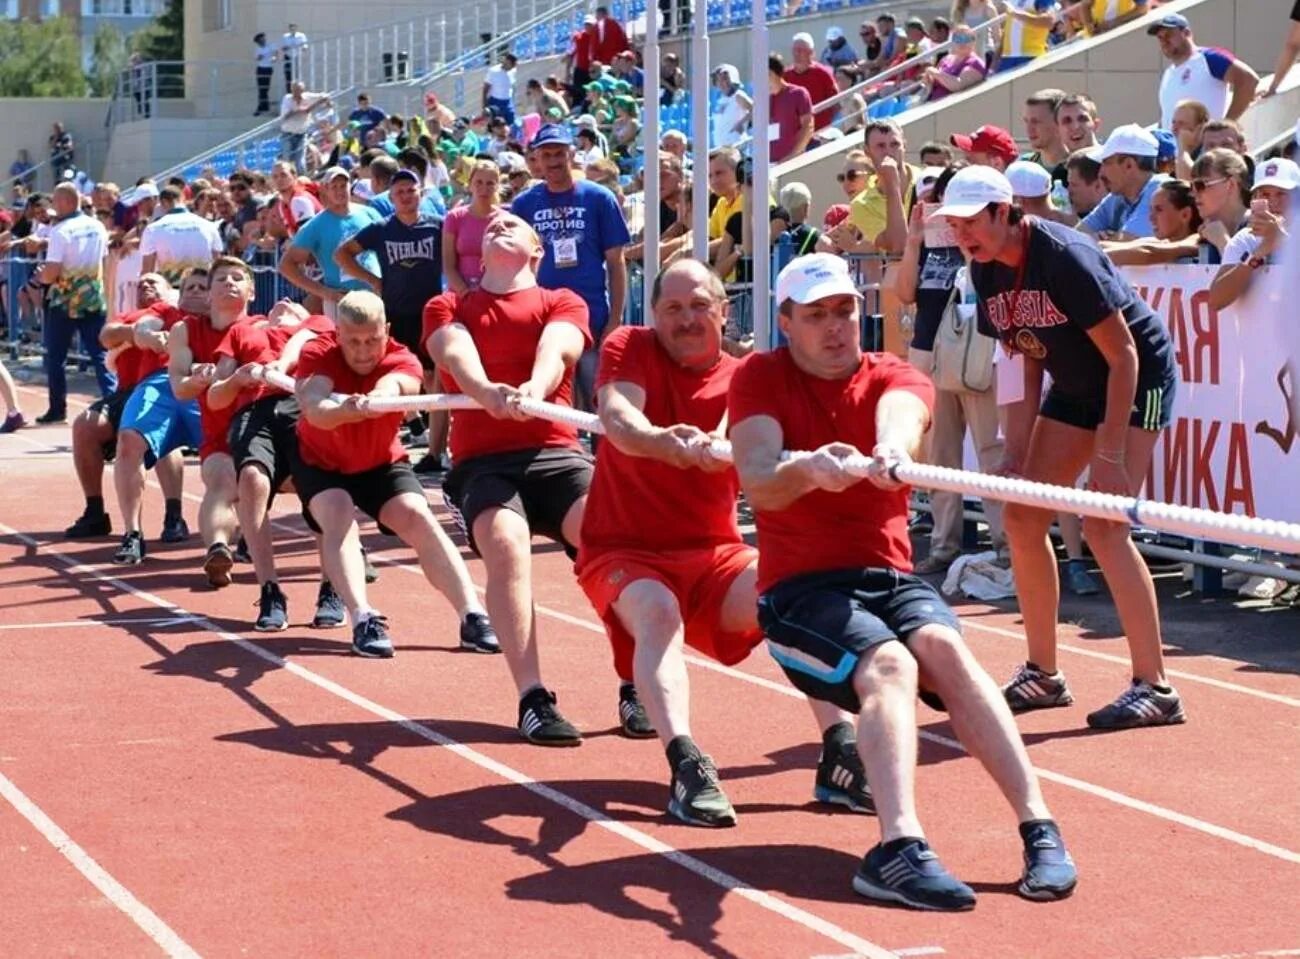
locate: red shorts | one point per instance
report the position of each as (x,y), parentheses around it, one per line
(215,426)
(699,578)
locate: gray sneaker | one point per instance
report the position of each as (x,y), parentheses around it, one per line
(1031,688)
(1140,705)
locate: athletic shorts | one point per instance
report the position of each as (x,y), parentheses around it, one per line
(112,406)
(1153,408)
(262,434)
(541,485)
(819,625)
(165,422)
(406,329)
(369,490)
(699,578)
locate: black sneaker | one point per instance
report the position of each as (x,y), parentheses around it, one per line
(131,551)
(477,634)
(52,416)
(372,574)
(272,609)
(430,465)
(329,608)
(632,720)
(1032,688)
(370,638)
(240,553)
(175,529)
(842,780)
(1049,870)
(910,874)
(697,796)
(89,527)
(217,565)
(1140,705)
(541,723)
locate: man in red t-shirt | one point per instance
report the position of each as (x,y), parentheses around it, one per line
(662,560)
(94,432)
(817,78)
(513,475)
(843,614)
(348,457)
(194,366)
(263,433)
(789,113)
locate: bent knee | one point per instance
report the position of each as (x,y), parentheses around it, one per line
(650,612)
(1100,533)
(502,533)
(888,665)
(940,650)
(131,446)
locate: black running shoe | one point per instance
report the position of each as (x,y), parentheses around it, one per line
(372,574)
(1140,705)
(89,527)
(1049,870)
(430,465)
(217,565)
(842,780)
(52,416)
(697,797)
(131,551)
(370,638)
(632,720)
(272,609)
(910,874)
(175,529)
(329,608)
(240,552)
(541,723)
(477,634)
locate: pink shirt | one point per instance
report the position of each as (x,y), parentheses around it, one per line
(955,68)
(786,111)
(464,229)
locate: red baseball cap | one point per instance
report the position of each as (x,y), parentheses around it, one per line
(987,139)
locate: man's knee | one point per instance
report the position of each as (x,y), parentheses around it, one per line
(131,448)
(1025,521)
(650,612)
(408,516)
(253,482)
(1101,535)
(940,651)
(333,512)
(502,535)
(888,665)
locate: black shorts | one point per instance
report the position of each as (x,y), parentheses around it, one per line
(263,434)
(1153,407)
(541,485)
(406,329)
(111,406)
(369,490)
(819,625)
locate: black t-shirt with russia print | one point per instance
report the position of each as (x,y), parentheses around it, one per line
(1295,11)
(1070,286)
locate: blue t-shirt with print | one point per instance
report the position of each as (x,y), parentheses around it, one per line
(410,262)
(430,204)
(1115,214)
(326,232)
(1069,287)
(577,228)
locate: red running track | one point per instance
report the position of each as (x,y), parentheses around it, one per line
(187,787)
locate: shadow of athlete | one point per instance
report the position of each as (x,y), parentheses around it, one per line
(1286,437)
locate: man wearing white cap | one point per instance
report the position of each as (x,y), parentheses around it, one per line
(730,115)
(837,52)
(843,615)
(1258,243)
(1128,168)
(1032,186)
(817,78)
(1051,295)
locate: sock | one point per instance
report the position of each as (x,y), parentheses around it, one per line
(171,508)
(1162,688)
(360,615)
(1045,672)
(623,689)
(838,737)
(680,748)
(94,506)
(899,844)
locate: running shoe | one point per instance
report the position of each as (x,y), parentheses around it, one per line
(88,526)
(1079,581)
(372,574)
(241,554)
(175,529)
(1031,688)
(131,551)
(1140,705)
(1049,870)
(217,565)
(907,871)
(272,609)
(430,465)
(370,638)
(13,422)
(52,416)
(632,719)
(541,723)
(697,796)
(477,634)
(842,780)
(934,563)
(329,608)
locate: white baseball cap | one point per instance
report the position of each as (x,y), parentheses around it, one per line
(816,276)
(833,34)
(1280,173)
(805,38)
(1028,178)
(972,189)
(730,70)
(1129,140)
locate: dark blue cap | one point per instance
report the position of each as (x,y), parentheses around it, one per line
(1170,21)
(551,133)
(1166,144)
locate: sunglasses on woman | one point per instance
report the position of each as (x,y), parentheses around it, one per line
(850,175)
(1200,185)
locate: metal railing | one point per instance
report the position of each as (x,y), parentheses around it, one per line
(218,82)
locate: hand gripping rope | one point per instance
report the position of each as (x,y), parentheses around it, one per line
(1276,535)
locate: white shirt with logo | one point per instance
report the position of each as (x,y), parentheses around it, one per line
(1202,77)
(180,240)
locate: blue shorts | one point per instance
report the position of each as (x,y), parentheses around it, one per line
(819,625)
(165,422)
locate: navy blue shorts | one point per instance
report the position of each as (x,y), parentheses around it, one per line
(1153,407)
(819,625)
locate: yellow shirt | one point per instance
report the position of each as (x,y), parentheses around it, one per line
(721,213)
(1020,39)
(1104,11)
(869,211)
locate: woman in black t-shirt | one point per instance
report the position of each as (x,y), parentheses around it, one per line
(1049,293)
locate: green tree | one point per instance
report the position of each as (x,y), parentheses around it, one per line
(108,58)
(164,39)
(40,59)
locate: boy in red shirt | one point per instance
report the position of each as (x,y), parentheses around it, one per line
(662,559)
(348,457)
(514,475)
(843,614)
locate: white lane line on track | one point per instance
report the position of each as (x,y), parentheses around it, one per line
(166,939)
(107,621)
(726,881)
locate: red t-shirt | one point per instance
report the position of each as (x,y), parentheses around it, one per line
(859,527)
(787,110)
(204,339)
(133,363)
(640,503)
(506,329)
(262,343)
(353,447)
(819,81)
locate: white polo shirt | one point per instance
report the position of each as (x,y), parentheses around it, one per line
(179,241)
(500,82)
(1202,77)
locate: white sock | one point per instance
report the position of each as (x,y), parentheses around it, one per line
(360,615)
